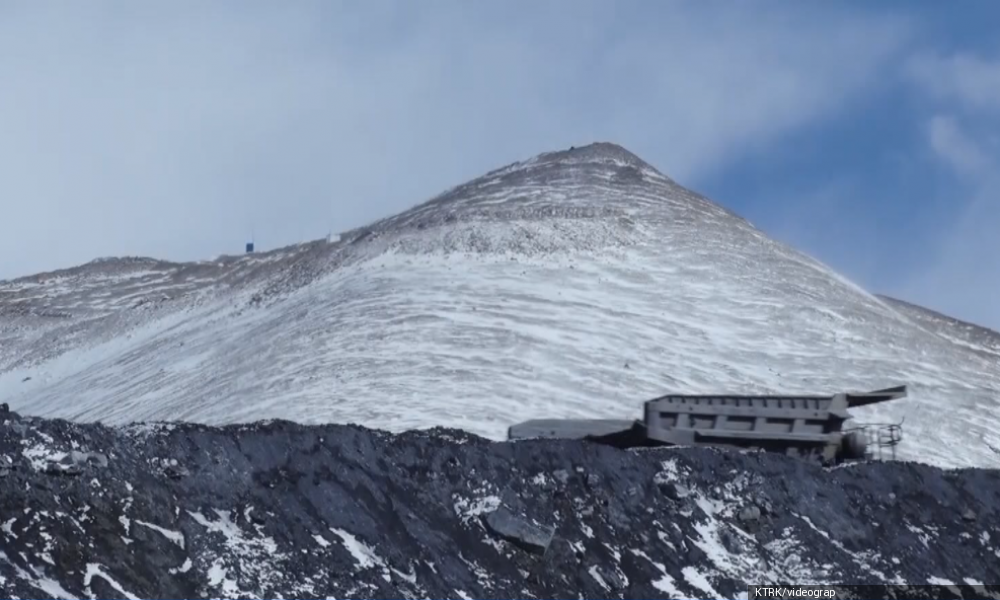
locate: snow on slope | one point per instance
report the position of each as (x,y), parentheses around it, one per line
(575,284)
(975,337)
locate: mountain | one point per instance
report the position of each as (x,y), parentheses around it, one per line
(577,283)
(281,510)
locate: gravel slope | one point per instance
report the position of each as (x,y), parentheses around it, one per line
(285,510)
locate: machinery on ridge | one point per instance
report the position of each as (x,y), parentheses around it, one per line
(810,427)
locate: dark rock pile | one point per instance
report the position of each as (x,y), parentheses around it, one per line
(282,510)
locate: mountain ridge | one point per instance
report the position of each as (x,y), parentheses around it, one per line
(601,151)
(576,283)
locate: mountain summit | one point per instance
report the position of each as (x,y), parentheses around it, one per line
(597,153)
(577,283)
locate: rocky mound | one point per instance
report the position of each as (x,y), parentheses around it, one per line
(277,509)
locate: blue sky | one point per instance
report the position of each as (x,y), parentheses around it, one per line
(864,133)
(881,190)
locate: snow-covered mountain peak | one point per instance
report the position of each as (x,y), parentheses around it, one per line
(576,283)
(605,154)
(598,155)
(610,195)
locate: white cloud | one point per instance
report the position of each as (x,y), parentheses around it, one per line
(955,148)
(971,80)
(167,129)
(963,276)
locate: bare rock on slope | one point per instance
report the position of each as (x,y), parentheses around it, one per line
(279,509)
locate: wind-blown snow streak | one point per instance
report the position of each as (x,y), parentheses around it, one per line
(576,284)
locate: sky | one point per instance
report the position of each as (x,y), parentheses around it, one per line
(865,134)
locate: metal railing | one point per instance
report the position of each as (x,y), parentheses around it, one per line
(881,439)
